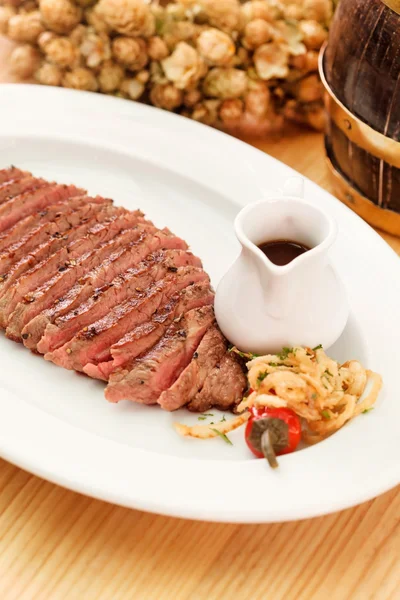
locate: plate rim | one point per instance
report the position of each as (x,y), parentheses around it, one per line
(12,453)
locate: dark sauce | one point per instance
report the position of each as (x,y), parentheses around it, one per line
(282,252)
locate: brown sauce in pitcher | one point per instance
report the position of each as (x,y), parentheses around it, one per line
(282,252)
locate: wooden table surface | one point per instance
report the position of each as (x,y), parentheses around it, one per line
(56,544)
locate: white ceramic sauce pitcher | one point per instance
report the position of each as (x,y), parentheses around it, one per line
(262,307)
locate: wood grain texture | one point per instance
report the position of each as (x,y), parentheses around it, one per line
(56,544)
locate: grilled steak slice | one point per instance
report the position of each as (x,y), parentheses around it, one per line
(20,229)
(15,187)
(147,377)
(56,252)
(146,335)
(12,173)
(60,272)
(52,250)
(25,204)
(127,254)
(45,231)
(92,344)
(122,287)
(208,354)
(224,387)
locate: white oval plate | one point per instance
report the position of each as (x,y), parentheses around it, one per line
(194,180)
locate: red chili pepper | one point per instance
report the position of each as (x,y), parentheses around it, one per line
(271,432)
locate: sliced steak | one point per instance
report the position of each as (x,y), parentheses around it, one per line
(21,228)
(104,298)
(209,353)
(26,204)
(146,335)
(93,343)
(59,273)
(44,231)
(147,377)
(35,260)
(15,187)
(122,256)
(55,253)
(224,387)
(12,173)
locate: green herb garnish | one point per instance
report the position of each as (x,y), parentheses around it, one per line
(328,373)
(326,414)
(222,435)
(262,376)
(367,410)
(207,415)
(319,347)
(223,419)
(201,418)
(285,353)
(273,365)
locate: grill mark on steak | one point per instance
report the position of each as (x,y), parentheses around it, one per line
(223,388)
(20,229)
(104,298)
(125,252)
(73,261)
(93,343)
(144,336)
(15,187)
(44,231)
(54,254)
(65,262)
(25,204)
(147,377)
(12,173)
(208,354)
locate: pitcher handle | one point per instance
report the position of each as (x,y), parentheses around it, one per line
(294,186)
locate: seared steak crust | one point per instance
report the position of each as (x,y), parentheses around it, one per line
(100,289)
(223,388)
(209,353)
(122,253)
(54,252)
(122,287)
(36,236)
(11,173)
(17,186)
(148,376)
(143,337)
(92,344)
(17,208)
(67,266)
(21,228)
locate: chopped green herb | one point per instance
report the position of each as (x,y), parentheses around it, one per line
(273,365)
(201,418)
(367,410)
(207,415)
(222,435)
(319,347)
(223,419)
(328,372)
(262,376)
(285,353)
(211,422)
(326,414)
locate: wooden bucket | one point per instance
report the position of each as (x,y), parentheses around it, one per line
(360,69)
